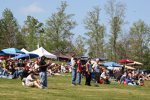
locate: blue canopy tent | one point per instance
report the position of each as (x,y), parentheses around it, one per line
(12,51)
(27,55)
(112,64)
(2,53)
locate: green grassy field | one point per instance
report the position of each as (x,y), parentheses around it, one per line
(59,88)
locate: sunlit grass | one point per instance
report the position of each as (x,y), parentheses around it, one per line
(59,88)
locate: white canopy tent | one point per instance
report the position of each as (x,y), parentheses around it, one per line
(135,63)
(24,50)
(42,52)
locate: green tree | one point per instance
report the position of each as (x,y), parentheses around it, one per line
(115,11)
(58,29)
(95,34)
(21,43)
(32,31)
(80,46)
(139,41)
(8,29)
(123,46)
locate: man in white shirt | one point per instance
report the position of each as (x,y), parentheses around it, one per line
(74,70)
(96,69)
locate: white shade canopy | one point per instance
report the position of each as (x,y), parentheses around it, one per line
(42,52)
(135,63)
(24,50)
(129,67)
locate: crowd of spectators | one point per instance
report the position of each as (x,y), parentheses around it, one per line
(28,70)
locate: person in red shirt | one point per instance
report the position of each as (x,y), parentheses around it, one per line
(79,71)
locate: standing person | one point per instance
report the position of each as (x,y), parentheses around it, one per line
(96,68)
(74,70)
(43,72)
(88,72)
(79,71)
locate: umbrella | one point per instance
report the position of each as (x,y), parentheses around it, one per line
(112,64)
(113,68)
(135,63)
(129,67)
(27,55)
(126,61)
(2,53)
(3,57)
(14,51)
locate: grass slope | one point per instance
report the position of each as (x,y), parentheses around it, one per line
(59,88)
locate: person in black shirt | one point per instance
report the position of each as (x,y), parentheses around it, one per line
(43,72)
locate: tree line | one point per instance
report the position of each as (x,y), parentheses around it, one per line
(110,41)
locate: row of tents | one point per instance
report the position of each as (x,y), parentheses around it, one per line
(23,53)
(19,54)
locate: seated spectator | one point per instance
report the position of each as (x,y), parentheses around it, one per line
(141,81)
(66,69)
(1,69)
(105,76)
(32,81)
(24,73)
(11,68)
(123,77)
(117,75)
(129,80)
(148,77)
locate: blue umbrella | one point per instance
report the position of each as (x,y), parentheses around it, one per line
(112,64)
(27,55)
(14,51)
(2,53)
